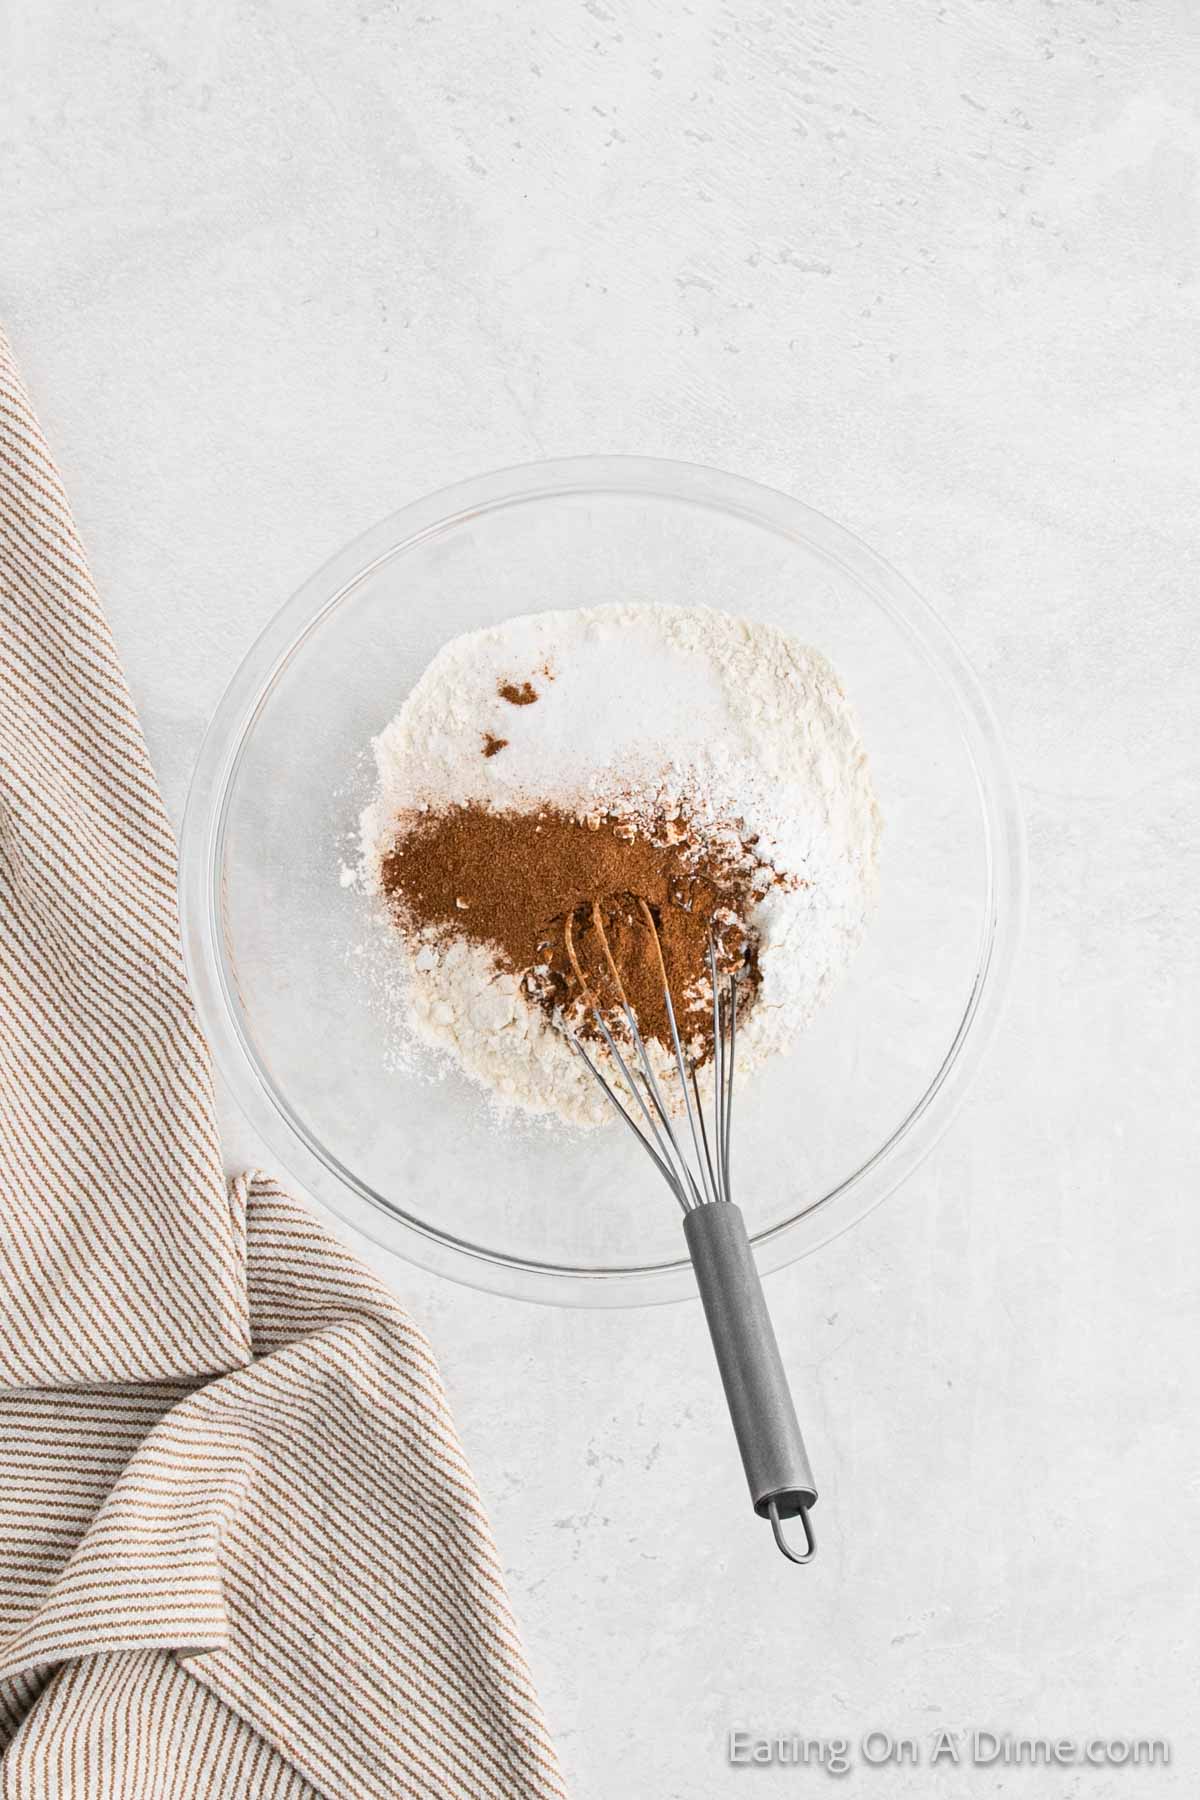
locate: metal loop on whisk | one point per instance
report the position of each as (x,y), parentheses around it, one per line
(778,1533)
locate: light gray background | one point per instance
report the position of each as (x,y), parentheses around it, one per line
(274,269)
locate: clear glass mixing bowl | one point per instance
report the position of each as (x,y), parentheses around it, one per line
(278,950)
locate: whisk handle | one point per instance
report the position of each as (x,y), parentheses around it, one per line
(752,1374)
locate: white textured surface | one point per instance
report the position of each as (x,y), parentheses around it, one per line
(273,270)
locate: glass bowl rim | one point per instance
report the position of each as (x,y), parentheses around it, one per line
(206,814)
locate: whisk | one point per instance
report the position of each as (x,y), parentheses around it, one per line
(756,1389)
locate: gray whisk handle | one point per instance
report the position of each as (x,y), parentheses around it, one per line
(756,1388)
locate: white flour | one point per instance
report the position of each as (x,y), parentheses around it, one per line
(644,710)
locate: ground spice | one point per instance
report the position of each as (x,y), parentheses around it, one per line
(524,695)
(493,745)
(545,891)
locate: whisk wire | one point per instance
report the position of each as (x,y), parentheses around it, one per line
(718,1070)
(680,1061)
(708,1161)
(664,1170)
(725,1092)
(707,1181)
(650,1082)
(683,1183)
(660,1126)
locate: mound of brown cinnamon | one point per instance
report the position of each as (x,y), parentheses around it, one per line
(581,909)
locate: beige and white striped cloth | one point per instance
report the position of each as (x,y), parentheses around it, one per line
(240,1551)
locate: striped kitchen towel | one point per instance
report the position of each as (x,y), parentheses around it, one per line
(240,1551)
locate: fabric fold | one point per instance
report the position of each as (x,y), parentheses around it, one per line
(118,1258)
(241,1551)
